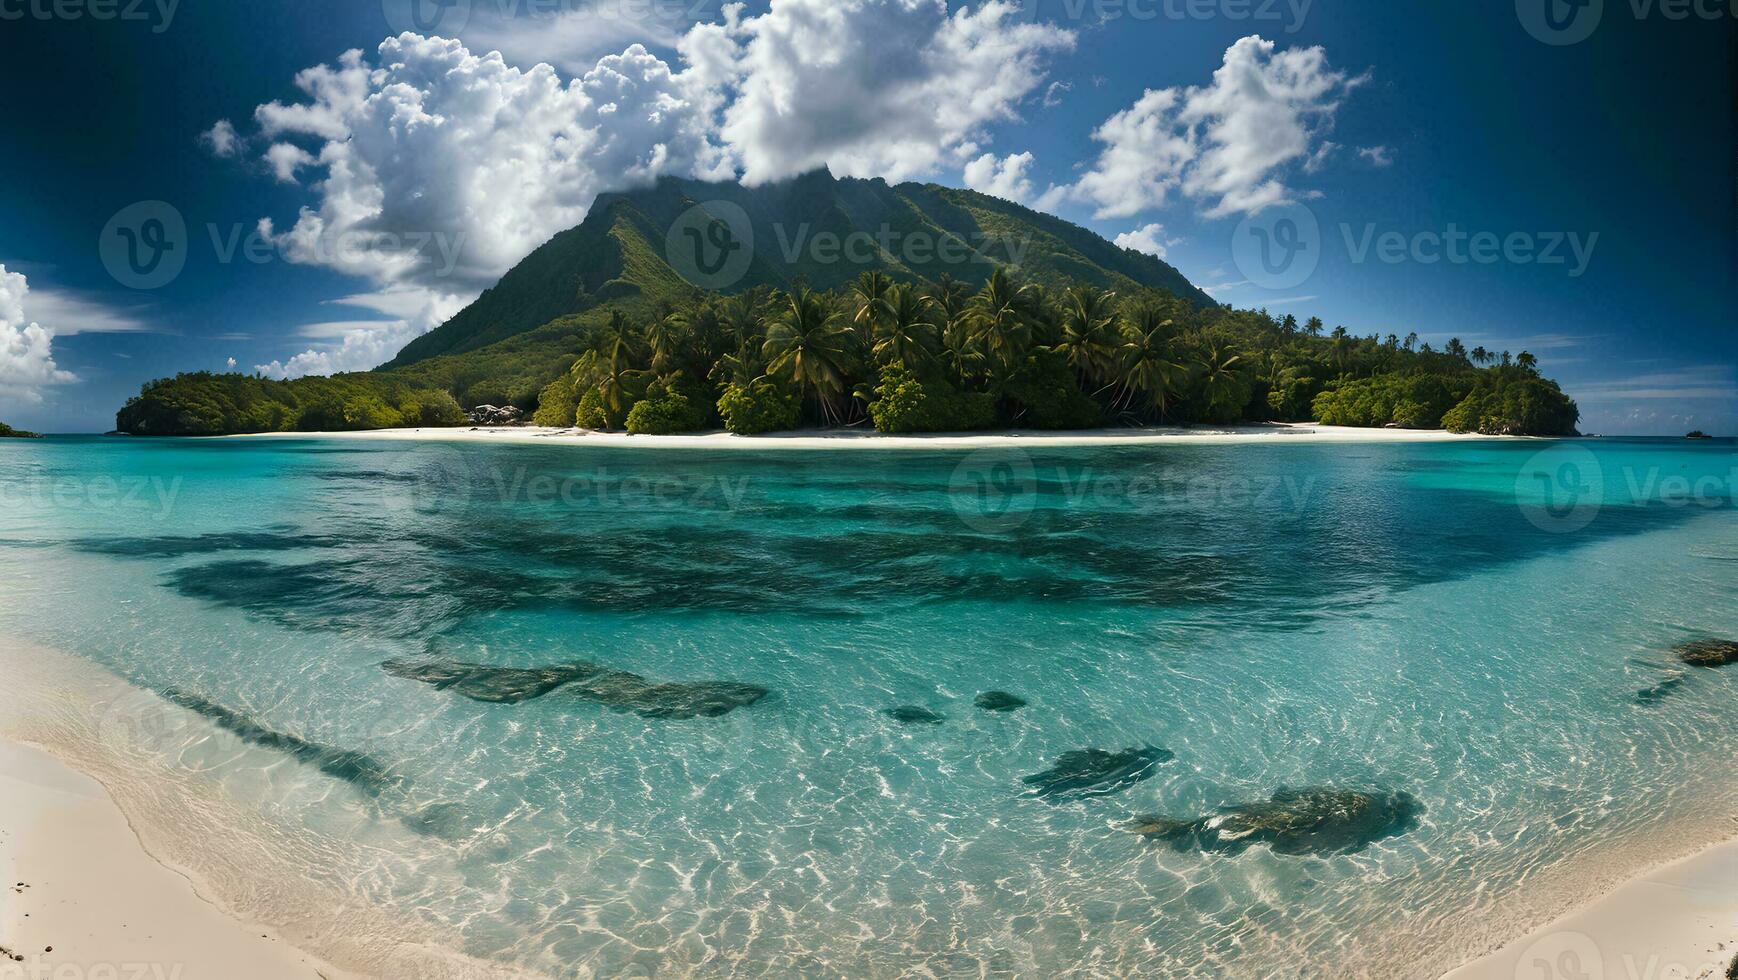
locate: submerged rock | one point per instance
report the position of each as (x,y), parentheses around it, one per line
(911,714)
(1708,653)
(1301,821)
(496,685)
(613,688)
(356,768)
(1095,772)
(999,701)
(1658,693)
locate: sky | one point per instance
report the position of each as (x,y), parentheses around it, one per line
(296,188)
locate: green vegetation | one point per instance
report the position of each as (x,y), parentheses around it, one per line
(219,404)
(8,432)
(1042,325)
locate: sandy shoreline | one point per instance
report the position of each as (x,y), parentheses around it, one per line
(1278,433)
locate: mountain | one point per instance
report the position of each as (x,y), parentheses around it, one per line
(816,228)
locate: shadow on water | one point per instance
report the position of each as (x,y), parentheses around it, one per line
(807,536)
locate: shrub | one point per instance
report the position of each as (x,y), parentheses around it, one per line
(906,404)
(759,406)
(665,411)
(557,405)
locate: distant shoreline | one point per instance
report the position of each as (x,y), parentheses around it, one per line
(1275,433)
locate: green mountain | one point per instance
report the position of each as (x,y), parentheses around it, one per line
(816,229)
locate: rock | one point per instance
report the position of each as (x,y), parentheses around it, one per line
(911,714)
(1658,692)
(1095,772)
(355,768)
(1296,822)
(1707,653)
(495,685)
(613,688)
(999,701)
(493,415)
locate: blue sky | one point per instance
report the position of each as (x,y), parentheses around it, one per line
(1400,126)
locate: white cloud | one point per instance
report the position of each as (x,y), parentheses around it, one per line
(574,38)
(1053,95)
(1379,156)
(1147,238)
(1228,144)
(221,139)
(1005,178)
(285,159)
(26,356)
(358,345)
(230,364)
(73,314)
(883,88)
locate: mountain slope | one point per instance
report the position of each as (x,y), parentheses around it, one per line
(815,228)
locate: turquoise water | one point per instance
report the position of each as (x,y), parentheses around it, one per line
(1469,623)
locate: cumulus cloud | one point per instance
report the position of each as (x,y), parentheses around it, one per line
(1229,144)
(26,358)
(221,139)
(883,88)
(1147,238)
(358,345)
(434,169)
(1005,178)
(1379,156)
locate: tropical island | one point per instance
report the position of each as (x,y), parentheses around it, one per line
(1006,318)
(8,432)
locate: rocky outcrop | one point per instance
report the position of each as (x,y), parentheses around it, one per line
(493,415)
(1708,653)
(1095,772)
(1301,821)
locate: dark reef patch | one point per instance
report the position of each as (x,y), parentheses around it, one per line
(1293,821)
(1659,692)
(999,701)
(616,689)
(1095,772)
(356,768)
(1708,653)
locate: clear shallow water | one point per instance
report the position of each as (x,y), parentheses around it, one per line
(1457,621)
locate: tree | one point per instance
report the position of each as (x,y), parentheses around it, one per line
(1151,372)
(1480,356)
(1223,385)
(998,315)
(1089,336)
(904,332)
(807,346)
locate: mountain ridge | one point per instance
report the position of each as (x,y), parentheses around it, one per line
(815,228)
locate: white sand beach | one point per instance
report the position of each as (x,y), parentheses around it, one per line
(1676,922)
(1286,433)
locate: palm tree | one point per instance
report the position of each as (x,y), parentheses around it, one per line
(904,332)
(1089,337)
(1221,379)
(960,353)
(1526,361)
(1149,372)
(1455,349)
(999,318)
(807,345)
(664,336)
(868,294)
(1480,356)
(1412,340)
